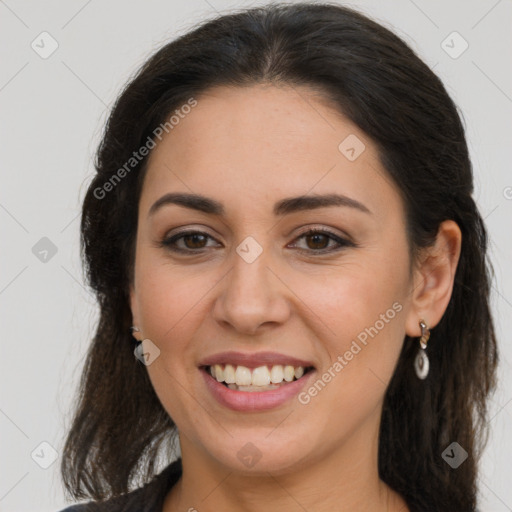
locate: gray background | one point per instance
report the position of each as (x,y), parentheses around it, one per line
(52,113)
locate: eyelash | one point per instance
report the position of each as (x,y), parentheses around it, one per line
(168,242)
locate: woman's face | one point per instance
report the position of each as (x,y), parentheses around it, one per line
(250,281)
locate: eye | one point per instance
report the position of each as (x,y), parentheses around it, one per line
(193,240)
(317,239)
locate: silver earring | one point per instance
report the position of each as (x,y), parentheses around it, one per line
(421,363)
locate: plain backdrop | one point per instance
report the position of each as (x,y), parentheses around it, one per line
(52,111)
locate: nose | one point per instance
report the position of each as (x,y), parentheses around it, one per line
(252,295)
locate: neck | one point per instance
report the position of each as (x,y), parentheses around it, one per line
(342,479)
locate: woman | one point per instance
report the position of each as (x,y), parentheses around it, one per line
(292,278)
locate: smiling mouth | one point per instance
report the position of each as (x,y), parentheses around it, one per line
(262,378)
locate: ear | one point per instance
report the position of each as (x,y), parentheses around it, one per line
(135,311)
(433,279)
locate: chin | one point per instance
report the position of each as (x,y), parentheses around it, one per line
(257,452)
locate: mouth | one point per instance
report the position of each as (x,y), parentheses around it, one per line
(261,378)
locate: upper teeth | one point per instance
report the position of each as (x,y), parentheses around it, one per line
(261,376)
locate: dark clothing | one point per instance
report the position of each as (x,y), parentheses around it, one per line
(149,498)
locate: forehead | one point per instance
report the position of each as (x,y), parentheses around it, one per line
(248,145)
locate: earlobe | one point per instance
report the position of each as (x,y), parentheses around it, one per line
(434,278)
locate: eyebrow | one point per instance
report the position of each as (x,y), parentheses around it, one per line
(282,207)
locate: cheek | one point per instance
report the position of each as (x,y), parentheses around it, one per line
(364,306)
(364,312)
(169,305)
(166,298)
(355,295)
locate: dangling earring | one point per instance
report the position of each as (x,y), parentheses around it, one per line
(421,363)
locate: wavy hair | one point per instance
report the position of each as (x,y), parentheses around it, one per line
(376,80)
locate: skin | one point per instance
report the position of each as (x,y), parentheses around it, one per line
(248,148)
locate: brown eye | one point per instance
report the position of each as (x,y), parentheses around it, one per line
(317,240)
(193,241)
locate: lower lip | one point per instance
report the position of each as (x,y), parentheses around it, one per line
(254,400)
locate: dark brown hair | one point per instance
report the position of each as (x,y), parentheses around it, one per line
(374,79)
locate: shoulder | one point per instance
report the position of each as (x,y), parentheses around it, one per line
(148,498)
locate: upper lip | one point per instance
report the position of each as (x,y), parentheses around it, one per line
(254,359)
